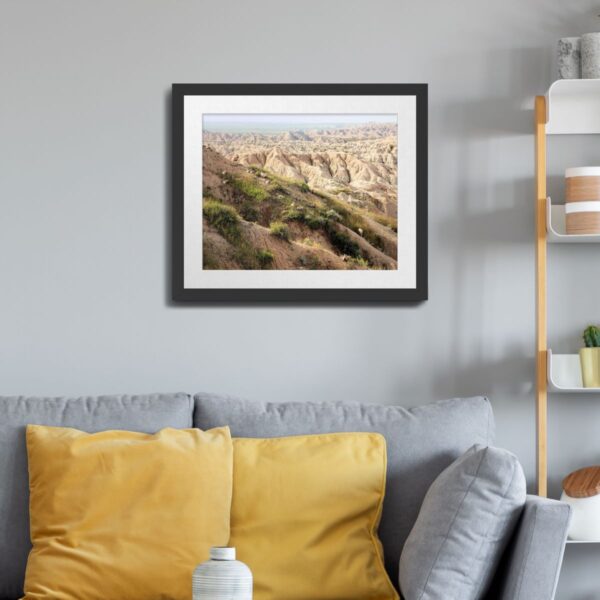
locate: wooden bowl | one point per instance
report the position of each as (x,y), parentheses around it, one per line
(581,490)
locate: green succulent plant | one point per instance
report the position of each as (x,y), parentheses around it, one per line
(591,337)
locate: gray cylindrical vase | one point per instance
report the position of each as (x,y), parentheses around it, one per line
(569,58)
(222,577)
(590,55)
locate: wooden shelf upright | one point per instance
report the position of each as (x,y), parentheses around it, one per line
(571,106)
(541,250)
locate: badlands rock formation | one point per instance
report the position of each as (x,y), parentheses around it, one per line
(299,200)
(358,164)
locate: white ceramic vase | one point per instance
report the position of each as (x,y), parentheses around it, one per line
(222,577)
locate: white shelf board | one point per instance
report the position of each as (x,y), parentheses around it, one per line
(573,106)
(583,542)
(557,229)
(564,374)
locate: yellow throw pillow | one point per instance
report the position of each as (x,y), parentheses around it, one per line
(124,516)
(305,513)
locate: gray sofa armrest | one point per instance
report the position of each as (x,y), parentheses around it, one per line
(532,562)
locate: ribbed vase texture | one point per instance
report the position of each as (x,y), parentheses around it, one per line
(222,580)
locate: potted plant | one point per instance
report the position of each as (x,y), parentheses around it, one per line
(590,357)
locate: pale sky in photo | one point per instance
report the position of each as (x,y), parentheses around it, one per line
(216,122)
(299,118)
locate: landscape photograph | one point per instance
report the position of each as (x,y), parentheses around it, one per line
(300,191)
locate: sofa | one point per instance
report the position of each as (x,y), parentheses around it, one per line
(421,443)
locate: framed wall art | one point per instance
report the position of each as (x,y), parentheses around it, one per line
(299,193)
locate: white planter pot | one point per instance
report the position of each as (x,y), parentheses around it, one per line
(222,577)
(585,522)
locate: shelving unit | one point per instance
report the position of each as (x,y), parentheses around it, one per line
(557,230)
(573,107)
(569,107)
(564,375)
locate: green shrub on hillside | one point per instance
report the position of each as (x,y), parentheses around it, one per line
(343,243)
(375,240)
(209,261)
(386,221)
(249,188)
(293,213)
(333,215)
(315,220)
(223,218)
(354,221)
(311,216)
(309,262)
(249,212)
(264,258)
(359,262)
(276,188)
(280,230)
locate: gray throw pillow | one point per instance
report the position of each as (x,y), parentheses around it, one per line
(466,520)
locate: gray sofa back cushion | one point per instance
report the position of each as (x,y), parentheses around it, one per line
(421,443)
(135,413)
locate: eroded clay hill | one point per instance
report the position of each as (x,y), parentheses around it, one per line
(358,164)
(256,219)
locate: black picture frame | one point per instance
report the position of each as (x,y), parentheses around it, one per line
(338,296)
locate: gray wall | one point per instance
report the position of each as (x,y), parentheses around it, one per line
(84,194)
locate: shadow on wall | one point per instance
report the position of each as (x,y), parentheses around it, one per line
(168,220)
(510,376)
(492,222)
(501,213)
(508,108)
(477,238)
